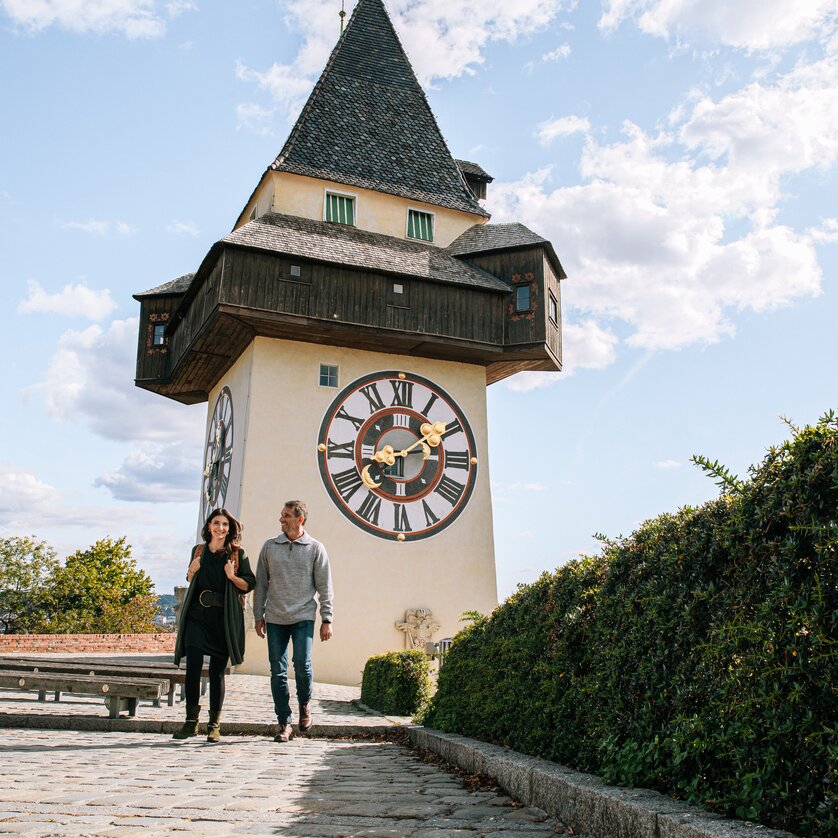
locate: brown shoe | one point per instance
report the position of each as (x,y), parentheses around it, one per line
(305,717)
(286,733)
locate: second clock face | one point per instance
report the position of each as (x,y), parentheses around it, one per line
(397,456)
(218,454)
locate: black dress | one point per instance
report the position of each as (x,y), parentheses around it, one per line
(205,626)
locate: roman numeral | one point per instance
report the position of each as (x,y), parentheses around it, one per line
(456,459)
(402,393)
(339,449)
(430,518)
(426,409)
(342,414)
(401,420)
(456,428)
(225,481)
(228,455)
(369,509)
(347,482)
(373,397)
(450,489)
(367,452)
(400,521)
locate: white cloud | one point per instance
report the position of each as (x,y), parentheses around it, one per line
(651,236)
(827,233)
(253,116)
(157,474)
(174,8)
(667,464)
(91,378)
(184,228)
(71,301)
(133,18)
(564,126)
(746,24)
(100,228)
(560,52)
(28,505)
(443,39)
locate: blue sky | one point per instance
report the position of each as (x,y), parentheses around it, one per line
(681,155)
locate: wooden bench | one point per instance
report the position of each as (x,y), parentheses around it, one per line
(120,694)
(140,669)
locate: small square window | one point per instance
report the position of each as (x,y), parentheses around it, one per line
(522,297)
(398,288)
(420,225)
(553,308)
(158,334)
(328,375)
(295,270)
(340,209)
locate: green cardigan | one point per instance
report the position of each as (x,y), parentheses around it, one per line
(233,611)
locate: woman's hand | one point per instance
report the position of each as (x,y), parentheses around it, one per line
(230,570)
(194,567)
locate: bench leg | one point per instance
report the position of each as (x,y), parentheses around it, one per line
(42,695)
(57,695)
(117,704)
(172,695)
(204,682)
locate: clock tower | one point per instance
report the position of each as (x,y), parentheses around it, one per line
(343,336)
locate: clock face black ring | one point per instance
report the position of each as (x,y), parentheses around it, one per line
(412,422)
(218,455)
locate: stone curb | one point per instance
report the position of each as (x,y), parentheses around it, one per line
(232,728)
(584,801)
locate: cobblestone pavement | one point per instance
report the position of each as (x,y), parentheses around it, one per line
(59,783)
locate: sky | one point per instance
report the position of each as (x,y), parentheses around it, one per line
(681,155)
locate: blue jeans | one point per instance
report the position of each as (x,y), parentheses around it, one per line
(301,636)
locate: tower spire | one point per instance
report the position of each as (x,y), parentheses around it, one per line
(341,15)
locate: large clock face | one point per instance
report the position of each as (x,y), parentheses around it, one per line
(397,456)
(218,455)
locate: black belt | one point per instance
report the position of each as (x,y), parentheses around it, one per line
(211,599)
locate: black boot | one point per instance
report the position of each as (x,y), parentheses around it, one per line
(190,726)
(214,726)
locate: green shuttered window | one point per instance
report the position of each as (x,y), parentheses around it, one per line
(420,225)
(340,208)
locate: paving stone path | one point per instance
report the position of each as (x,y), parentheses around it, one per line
(57,783)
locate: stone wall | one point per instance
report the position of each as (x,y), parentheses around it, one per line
(146,644)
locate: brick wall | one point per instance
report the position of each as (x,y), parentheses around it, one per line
(148,644)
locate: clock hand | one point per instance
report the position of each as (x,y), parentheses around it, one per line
(431,438)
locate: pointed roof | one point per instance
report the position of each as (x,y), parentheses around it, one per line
(367,122)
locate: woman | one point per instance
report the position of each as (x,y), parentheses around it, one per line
(211,621)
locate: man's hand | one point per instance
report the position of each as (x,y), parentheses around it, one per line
(325,631)
(260,628)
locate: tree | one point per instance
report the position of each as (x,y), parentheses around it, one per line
(101,590)
(26,568)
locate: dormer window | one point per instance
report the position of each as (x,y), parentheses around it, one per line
(158,334)
(420,225)
(340,208)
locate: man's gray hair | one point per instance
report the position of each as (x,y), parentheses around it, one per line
(298,508)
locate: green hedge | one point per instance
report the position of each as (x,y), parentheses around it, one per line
(697,656)
(397,683)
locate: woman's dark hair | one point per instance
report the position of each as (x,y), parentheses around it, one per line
(231,543)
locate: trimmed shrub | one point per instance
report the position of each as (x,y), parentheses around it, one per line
(397,683)
(698,656)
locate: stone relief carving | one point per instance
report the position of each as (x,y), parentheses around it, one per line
(418,626)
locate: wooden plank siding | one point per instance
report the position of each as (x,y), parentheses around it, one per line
(250,292)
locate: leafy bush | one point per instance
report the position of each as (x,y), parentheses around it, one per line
(697,656)
(397,683)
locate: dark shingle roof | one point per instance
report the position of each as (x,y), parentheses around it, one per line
(367,122)
(483,238)
(174,286)
(343,245)
(474,169)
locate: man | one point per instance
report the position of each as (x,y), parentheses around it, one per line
(292,568)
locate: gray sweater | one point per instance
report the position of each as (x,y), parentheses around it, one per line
(288,575)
